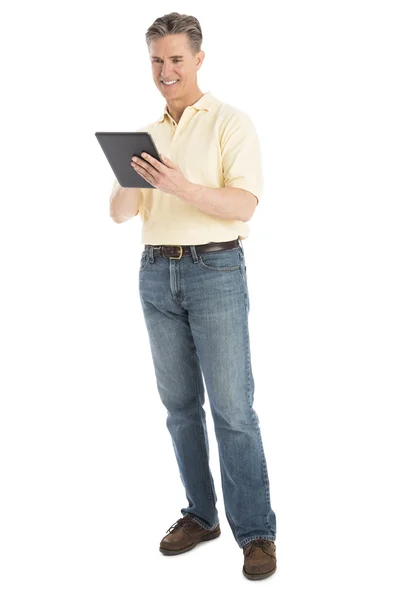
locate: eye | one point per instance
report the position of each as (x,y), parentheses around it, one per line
(175,60)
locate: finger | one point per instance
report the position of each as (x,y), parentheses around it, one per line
(146,178)
(145,174)
(138,161)
(167,161)
(153,161)
(145,165)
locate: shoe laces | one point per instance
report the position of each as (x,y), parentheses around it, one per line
(182,522)
(265,546)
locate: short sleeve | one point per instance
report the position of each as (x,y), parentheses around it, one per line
(241,155)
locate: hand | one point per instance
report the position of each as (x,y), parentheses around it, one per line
(165,176)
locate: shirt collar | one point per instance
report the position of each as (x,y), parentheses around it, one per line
(204,103)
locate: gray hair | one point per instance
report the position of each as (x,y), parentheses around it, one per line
(174,23)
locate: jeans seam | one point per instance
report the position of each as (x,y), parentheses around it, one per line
(201,523)
(256,422)
(202,437)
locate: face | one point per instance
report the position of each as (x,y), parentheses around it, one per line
(173,61)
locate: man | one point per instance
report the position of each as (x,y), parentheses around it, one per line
(194,294)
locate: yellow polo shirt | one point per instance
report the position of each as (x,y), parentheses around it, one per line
(215,145)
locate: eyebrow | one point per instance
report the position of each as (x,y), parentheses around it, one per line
(175,56)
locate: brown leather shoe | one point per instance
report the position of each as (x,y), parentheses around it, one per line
(259,559)
(185,534)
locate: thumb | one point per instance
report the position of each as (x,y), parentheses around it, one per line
(167,161)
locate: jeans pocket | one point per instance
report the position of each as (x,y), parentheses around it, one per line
(144,261)
(222,260)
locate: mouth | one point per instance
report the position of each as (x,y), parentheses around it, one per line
(169,83)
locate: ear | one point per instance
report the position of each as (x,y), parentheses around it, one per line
(200,59)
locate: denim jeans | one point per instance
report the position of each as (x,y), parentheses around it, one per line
(196,314)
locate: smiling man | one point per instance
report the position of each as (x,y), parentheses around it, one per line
(194,294)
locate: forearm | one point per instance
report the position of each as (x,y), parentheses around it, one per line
(124,203)
(225,203)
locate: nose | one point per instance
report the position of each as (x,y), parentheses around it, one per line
(165,71)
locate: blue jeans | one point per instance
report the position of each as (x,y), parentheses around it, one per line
(196,313)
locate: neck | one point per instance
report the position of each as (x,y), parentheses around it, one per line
(176,108)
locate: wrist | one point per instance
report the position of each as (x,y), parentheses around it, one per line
(190,190)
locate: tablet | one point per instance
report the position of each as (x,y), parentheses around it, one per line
(120,147)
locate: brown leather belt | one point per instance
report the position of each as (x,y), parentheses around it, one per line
(179,251)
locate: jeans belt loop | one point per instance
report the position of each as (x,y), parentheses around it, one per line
(194,254)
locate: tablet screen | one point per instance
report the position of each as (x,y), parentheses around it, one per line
(120,147)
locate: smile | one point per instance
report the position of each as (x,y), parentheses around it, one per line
(169,82)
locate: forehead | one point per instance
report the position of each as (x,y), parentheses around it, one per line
(169,46)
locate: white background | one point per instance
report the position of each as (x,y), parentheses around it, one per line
(88,474)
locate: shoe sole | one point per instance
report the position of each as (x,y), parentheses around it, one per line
(258,575)
(205,538)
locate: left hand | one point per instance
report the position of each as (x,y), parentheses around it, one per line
(165,176)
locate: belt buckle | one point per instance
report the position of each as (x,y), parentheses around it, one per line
(177,257)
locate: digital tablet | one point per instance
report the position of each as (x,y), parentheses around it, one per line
(119,149)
